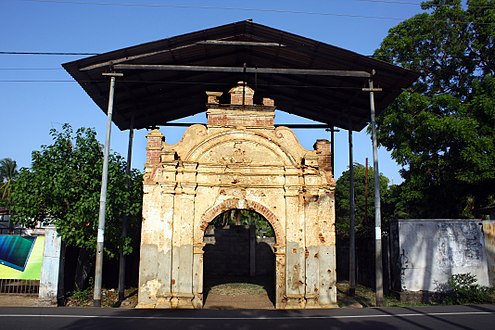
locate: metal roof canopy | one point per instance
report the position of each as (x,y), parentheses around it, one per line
(166,79)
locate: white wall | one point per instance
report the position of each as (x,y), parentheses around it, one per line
(430,251)
(50,268)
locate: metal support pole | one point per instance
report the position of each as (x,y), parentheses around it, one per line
(103,196)
(332,131)
(332,149)
(366,194)
(125,220)
(244,86)
(352,221)
(378,220)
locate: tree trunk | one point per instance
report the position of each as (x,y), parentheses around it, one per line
(61,276)
(83,270)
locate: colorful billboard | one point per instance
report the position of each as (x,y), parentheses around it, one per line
(21,257)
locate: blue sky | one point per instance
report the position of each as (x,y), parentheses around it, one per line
(36,94)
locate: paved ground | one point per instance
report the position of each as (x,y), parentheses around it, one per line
(212,301)
(260,301)
(221,293)
(473,317)
(18,300)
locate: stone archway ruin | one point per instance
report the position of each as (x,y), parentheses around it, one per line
(279,247)
(239,160)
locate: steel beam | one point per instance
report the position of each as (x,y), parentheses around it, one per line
(295,126)
(242,69)
(239,43)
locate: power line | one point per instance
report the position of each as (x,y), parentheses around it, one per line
(95,3)
(52,53)
(180,6)
(47,53)
(35,81)
(30,69)
(392,2)
(155,5)
(252,9)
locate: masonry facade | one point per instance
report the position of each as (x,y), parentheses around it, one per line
(239,160)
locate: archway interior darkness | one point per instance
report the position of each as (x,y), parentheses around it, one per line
(239,256)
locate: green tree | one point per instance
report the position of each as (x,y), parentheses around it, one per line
(244,217)
(8,171)
(364,221)
(442,130)
(62,187)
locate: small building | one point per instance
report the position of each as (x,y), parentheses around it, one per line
(240,159)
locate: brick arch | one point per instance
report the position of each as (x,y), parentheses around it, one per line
(242,204)
(287,156)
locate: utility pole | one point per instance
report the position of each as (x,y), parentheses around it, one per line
(125,220)
(103,195)
(378,220)
(366,194)
(352,222)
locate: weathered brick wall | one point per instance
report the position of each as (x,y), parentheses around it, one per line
(239,160)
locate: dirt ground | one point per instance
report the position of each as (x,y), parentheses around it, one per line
(18,300)
(259,301)
(239,293)
(213,301)
(219,294)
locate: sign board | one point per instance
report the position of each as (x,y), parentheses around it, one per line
(21,257)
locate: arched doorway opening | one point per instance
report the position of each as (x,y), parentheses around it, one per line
(239,261)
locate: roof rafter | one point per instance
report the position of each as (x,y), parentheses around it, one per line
(204,68)
(166,79)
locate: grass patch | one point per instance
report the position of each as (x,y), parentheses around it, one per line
(109,298)
(238,285)
(237,289)
(364,296)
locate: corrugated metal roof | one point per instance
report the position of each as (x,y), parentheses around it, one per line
(155,97)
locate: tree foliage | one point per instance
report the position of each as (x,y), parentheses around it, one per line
(442,130)
(8,171)
(364,213)
(63,186)
(463,289)
(244,217)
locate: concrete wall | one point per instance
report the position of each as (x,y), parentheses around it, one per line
(427,252)
(50,268)
(265,258)
(227,251)
(489,235)
(236,251)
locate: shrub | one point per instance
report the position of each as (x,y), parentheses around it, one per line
(463,289)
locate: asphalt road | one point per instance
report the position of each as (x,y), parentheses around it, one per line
(477,317)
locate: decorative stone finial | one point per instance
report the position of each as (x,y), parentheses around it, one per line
(213,97)
(267,102)
(242,94)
